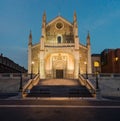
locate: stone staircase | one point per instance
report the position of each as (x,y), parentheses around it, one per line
(59,91)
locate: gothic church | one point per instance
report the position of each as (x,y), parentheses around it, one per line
(59,53)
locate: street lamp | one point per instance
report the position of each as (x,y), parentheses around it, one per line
(116,68)
(86,69)
(96,65)
(32,68)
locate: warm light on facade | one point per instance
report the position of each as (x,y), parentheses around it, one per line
(33,62)
(85,63)
(116,58)
(96,64)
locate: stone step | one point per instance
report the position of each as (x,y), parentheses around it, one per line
(59,91)
(59,88)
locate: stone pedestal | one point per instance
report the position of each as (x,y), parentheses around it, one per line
(98,94)
(20,94)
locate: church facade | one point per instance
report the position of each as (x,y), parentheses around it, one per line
(59,53)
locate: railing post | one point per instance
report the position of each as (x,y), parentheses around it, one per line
(11,75)
(21,86)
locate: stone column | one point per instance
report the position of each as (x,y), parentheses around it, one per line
(29,58)
(76,65)
(42,69)
(76,43)
(42,54)
(76,70)
(89,67)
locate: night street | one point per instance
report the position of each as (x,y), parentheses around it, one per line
(60,110)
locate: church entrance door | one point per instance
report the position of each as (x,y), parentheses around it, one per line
(59,73)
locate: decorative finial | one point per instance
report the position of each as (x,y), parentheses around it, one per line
(75,19)
(44,16)
(59,14)
(88,38)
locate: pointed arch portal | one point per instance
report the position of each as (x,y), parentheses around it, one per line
(59,65)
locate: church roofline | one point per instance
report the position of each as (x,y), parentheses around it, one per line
(59,17)
(35,45)
(82,46)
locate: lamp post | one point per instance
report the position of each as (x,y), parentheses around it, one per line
(32,69)
(20,88)
(96,65)
(86,69)
(38,68)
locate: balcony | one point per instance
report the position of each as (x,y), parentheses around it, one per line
(60,45)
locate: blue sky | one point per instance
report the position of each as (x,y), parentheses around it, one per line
(100,17)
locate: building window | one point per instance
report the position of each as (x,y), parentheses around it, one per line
(59,39)
(59,25)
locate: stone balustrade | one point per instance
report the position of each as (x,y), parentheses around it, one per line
(13,75)
(109,84)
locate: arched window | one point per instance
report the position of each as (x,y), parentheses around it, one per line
(59,39)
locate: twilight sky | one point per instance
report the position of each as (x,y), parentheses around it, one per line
(100,17)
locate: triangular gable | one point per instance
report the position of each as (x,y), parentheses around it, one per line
(57,18)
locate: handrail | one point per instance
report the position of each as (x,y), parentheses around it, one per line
(30,84)
(88,84)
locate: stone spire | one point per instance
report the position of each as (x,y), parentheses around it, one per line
(75,27)
(88,39)
(75,31)
(75,19)
(43,24)
(30,38)
(44,19)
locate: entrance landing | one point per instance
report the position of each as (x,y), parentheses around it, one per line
(66,82)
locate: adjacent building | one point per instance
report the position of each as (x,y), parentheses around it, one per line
(9,66)
(59,52)
(110,61)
